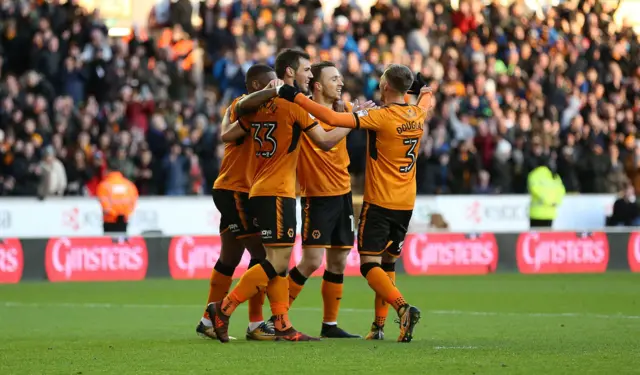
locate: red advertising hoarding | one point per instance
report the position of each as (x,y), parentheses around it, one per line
(562,252)
(193,257)
(450,254)
(11,261)
(634,252)
(96,259)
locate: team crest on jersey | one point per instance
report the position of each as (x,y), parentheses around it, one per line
(290,232)
(411,112)
(362,113)
(315,234)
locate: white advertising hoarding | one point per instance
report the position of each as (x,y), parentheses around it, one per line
(29,217)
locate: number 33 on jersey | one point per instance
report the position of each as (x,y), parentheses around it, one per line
(275,130)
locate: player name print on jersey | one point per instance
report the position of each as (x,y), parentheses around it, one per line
(410,126)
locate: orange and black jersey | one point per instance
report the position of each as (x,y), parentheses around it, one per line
(237,167)
(323,173)
(275,130)
(394,132)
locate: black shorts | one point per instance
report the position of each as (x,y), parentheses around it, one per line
(381,229)
(119,226)
(328,222)
(276,218)
(235,215)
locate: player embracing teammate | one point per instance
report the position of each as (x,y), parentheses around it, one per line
(326,204)
(276,130)
(231,196)
(394,132)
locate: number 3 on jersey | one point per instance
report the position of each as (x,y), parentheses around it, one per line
(411,154)
(267,144)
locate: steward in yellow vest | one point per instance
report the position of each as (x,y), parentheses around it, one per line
(546,190)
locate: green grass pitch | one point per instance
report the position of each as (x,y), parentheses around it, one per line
(497,324)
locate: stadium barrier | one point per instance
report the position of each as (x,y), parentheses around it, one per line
(173,216)
(100,258)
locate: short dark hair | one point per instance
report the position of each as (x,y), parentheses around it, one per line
(399,77)
(289,57)
(255,71)
(316,70)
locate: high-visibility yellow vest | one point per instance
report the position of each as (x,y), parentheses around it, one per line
(546,192)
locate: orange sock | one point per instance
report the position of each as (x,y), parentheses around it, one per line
(296,283)
(219,283)
(257,301)
(381,306)
(251,283)
(382,284)
(278,292)
(332,284)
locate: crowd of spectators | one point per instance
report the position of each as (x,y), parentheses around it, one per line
(515,88)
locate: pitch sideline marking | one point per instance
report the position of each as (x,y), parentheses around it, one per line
(455,347)
(316,309)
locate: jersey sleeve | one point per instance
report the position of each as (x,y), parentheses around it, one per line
(233,112)
(327,115)
(425,102)
(302,118)
(233,116)
(370,119)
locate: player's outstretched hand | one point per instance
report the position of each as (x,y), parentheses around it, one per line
(357,106)
(288,92)
(418,83)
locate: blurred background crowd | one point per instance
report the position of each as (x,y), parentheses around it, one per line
(517,86)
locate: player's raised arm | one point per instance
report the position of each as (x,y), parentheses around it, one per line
(425,99)
(324,114)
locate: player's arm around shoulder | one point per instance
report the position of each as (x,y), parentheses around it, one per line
(250,103)
(324,114)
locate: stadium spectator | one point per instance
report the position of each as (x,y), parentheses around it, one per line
(513,84)
(54,178)
(626,211)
